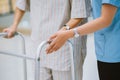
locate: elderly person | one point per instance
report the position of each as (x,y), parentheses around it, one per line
(47,17)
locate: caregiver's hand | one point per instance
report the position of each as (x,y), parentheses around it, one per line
(58,39)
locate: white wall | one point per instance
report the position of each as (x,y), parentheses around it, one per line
(90,65)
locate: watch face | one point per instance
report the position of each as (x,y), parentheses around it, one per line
(67,27)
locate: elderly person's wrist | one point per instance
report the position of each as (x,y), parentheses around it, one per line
(65,27)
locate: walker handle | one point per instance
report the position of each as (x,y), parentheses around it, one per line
(3,34)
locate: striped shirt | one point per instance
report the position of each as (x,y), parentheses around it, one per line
(47,17)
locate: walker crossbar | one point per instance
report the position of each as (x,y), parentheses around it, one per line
(18,55)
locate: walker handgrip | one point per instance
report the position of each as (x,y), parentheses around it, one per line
(3,34)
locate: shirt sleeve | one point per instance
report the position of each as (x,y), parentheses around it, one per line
(23,4)
(112,2)
(80,8)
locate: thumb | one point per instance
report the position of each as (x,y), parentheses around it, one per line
(51,38)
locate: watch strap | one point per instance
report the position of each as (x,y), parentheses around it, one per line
(76,34)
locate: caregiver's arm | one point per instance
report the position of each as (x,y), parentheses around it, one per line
(107,15)
(17,18)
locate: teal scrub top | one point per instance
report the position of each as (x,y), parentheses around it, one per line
(107,40)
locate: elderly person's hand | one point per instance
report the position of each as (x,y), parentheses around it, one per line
(58,39)
(11,31)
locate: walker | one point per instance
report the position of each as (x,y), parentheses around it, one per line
(37,58)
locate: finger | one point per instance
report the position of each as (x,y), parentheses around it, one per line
(53,36)
(52,50)
(10,35)
(48,50)
(55,48)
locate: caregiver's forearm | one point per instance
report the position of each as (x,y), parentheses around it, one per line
(108,13)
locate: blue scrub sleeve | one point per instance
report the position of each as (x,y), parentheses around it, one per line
(112,2)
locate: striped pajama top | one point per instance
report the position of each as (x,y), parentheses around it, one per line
(47,17)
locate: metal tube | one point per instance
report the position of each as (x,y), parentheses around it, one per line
(17,55)
(37,61)
(3,34)
(24,52)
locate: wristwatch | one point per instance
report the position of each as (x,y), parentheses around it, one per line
(76,34)
(67,27)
